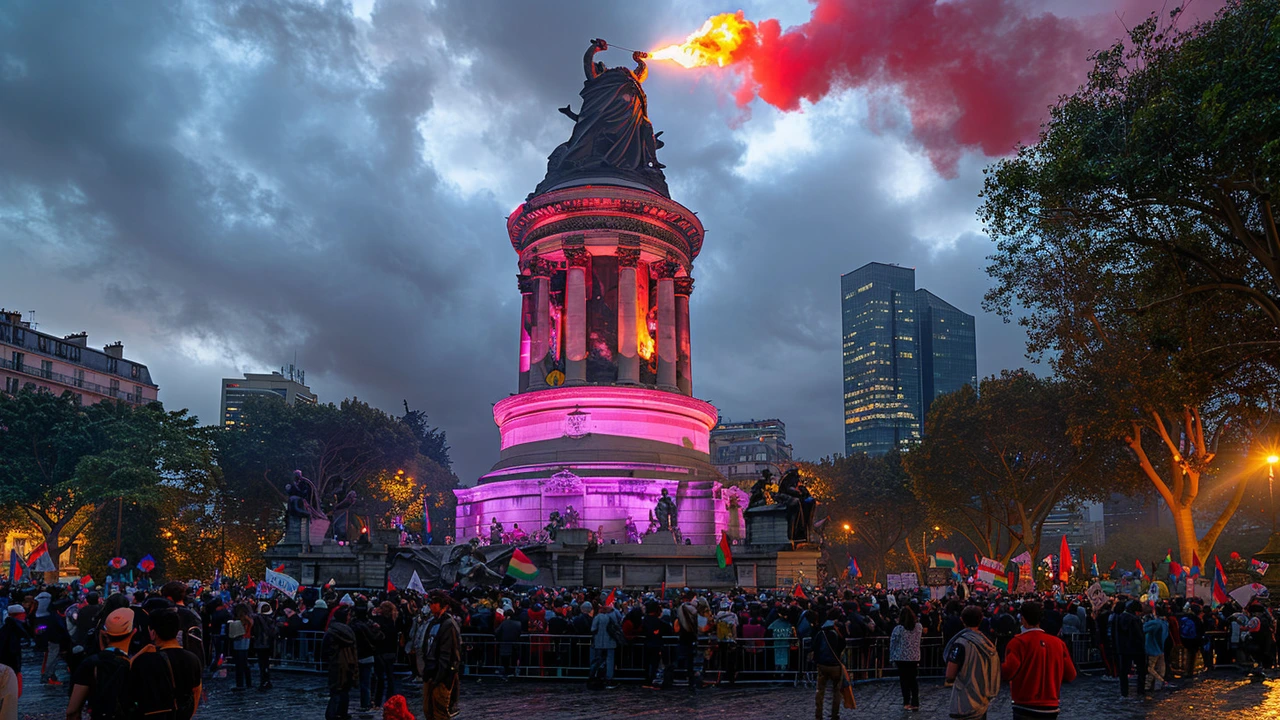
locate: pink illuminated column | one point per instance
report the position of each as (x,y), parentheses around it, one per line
(575,314)
(541,342)
(684,365)
(526,328)
(628,353)
(667,356)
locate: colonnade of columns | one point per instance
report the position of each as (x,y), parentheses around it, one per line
(674,369)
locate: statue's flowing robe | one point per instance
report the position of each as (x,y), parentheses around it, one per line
(613,127)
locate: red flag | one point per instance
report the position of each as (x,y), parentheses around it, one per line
(1113,565)
(40,549)
(609,600)
(1220,595)
(960,566)
(1064,560)
(281,568)
(1176,568)
(390,587)
(799,592)
(1141,569)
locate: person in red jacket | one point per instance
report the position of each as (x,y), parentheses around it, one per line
(1035,665)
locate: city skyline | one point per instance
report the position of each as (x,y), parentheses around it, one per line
(903,346)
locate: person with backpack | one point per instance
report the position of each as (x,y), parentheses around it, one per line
(973,668)
(164,678)
(102,680)
(240,635)
(1191,630)
(728,653)
(1156,632)
(1131,646)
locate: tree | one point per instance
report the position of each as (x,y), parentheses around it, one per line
(872,495)
(61,464)
(431,441)
(995,462)
(1171,147)
(1137,240)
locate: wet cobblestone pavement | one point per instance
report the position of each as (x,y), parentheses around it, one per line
(1222,695)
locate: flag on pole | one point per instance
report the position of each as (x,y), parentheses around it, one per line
(854,570)
(521,567)
(1142,570)
(944,559)
(217,579)
(426,520)
(1220,595)
(1175,568)
(1168,555)
(612,595)
(16,567)
(390,586)
(86,581)
(280,568)
(799,592)
(1195,564)
(960,566)
(1064,563)
(1093,567)
(724,557)
(415,583)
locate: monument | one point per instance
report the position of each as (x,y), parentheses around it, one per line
(604,423)
(603,428)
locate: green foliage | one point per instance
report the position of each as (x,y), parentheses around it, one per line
(994,462)
(1136,241)
(871,495)
(431,440)
(61,464)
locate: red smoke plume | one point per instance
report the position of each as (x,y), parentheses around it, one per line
(974,74)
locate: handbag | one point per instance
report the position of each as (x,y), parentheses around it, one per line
(846,684)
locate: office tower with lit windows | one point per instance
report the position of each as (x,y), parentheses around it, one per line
(901,348)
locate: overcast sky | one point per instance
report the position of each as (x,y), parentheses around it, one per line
(224,186)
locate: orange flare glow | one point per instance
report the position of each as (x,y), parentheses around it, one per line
(717,42)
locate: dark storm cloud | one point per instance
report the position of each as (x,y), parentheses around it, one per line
(227,184)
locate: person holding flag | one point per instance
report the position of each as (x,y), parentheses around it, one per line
(855,572)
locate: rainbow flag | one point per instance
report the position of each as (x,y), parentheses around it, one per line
(1220,595)
(1094,566)
(944,559)
(521,567)
(1000,581)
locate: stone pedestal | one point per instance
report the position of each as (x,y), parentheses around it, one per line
(767,525)
(662,537)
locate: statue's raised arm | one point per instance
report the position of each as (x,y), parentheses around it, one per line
(589,64)
(642,69)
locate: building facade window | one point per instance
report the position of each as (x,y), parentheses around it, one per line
(79,378)
(46,369)
(113,365)
(18,360)
(115,388)
(12,385)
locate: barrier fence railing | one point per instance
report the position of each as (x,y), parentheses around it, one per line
(749,660)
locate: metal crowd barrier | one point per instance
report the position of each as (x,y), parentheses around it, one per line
(759,660)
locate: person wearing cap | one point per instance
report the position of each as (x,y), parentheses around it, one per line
(12,633)
(262,642)
(442,657)
(96,680)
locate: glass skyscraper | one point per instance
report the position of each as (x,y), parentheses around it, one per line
(902,347)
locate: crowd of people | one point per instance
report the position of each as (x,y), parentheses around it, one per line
(153,651)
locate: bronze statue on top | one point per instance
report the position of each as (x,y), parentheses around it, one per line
(612,135)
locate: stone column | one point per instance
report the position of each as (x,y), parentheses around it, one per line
(525,284)
(540,345)
(684,364)
(628,353)
(575,314)
(667,356)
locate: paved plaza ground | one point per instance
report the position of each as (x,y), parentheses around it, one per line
(1223,695)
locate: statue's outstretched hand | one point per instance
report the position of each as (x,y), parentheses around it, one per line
(600,44)
(638,55)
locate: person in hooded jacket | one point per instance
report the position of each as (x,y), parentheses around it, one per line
(973,668)
(339,652)
(828,645)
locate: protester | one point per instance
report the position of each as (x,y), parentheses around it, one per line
(1156,633)
(1035,666)
(442,658)
(973,668)
(339,652)
(262,643)
(102,680)
(384,685)
(1131,645)
(828,645)
(904,652)
(9,693)
(12,634)
(164,679)
(605,631)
